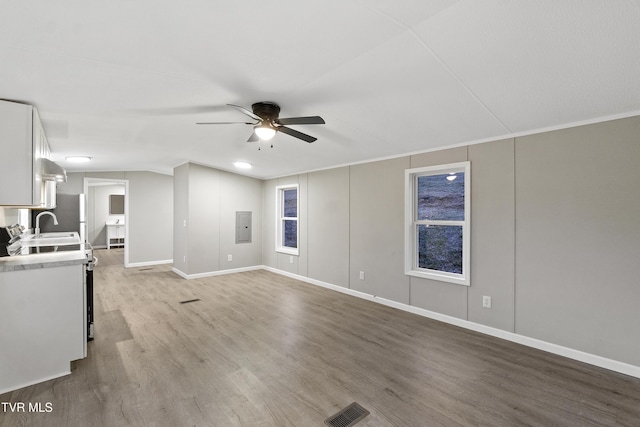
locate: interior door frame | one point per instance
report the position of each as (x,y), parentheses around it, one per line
(92,182)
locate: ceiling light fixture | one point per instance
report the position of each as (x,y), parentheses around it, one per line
(265,132)
(78,159)
(242,165)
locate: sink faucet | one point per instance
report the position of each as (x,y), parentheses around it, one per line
(36,232)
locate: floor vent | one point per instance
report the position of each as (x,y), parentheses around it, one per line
(347,417)
(189,300)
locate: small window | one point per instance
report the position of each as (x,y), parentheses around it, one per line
(287,219)
(437,206)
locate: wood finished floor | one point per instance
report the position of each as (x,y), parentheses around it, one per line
(260,349)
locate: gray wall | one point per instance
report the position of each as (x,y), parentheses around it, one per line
(578,238)
(327,226)
(150,211)
(207,200)
(377,229)
(554,235)
(239,193)
(180,216)
(150,217)
(492,234)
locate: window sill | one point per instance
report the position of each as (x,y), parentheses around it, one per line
(288,251)
(456,279)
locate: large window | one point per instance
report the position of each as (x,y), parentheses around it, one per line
(287,219)
(437,209)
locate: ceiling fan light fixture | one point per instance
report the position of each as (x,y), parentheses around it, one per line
(265,132)
(266,122)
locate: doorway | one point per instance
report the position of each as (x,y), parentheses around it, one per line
(107,222)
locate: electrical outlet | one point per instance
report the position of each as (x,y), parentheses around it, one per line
(486,301)
(184,223)
(291,259)
(362,275)
(229,257)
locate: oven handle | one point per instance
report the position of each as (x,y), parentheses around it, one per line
(89,296)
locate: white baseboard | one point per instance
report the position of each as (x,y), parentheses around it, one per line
(581,356)
(215,273)
(148,263)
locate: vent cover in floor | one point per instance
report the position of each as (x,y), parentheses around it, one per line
(347,417)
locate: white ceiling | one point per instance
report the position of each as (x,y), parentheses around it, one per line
(125,81)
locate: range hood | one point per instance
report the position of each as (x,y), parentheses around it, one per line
(51,171)
(51,174)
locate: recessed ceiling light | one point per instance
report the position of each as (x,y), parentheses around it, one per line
(242,165)
(78,159)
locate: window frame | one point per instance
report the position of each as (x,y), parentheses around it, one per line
(412,222)
(280,218)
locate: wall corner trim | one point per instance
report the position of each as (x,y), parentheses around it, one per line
(592,359)
(148,263)
(214,273)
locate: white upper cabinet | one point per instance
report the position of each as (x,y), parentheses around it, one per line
(23,145)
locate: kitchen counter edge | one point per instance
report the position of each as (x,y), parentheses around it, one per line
(36,261)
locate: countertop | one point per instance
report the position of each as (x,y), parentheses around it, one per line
(45,260)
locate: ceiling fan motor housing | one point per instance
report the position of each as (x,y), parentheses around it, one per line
(267,110)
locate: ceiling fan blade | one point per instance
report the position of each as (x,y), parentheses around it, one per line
(245,111)
(311,120)
(296,134)
(225,123)
(253,137)
(175,111)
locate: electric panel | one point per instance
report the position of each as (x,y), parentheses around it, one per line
(243,227)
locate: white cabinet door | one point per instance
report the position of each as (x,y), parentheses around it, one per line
(17,159)
(115,235)
(22,143)
(43,318)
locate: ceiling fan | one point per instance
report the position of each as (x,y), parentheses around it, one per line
(267,122)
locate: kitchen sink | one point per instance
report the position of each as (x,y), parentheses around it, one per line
(51,239)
